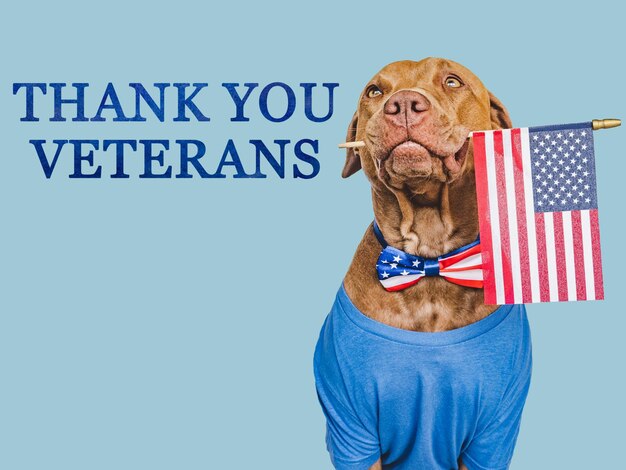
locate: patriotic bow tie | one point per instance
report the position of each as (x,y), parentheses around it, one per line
(398,270)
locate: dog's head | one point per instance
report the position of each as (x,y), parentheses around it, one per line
(414,118)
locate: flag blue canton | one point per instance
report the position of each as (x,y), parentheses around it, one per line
(563,168)
(395,262)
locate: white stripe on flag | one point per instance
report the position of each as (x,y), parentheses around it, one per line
(399,280)
(494,217)
(531,238)
(512,215)
(585,223)
(475,260)
(473,274)
(553,281)
(570,268)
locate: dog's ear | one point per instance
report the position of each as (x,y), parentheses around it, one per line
(499,115)
(353,161)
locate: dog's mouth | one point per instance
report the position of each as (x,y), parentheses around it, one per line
(454,162)
(413,159)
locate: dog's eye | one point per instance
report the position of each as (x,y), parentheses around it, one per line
(373,91)
(453,82)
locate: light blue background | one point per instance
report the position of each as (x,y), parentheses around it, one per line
(171,324)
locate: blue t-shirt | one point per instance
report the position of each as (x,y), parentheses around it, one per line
(421,400)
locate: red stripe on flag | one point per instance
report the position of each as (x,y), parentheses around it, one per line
(476,284)
(446,262)
(559,242)
(579,258)
(597,257)
(503,213)
(403,286)
(522,232)
(482,194)
(544,286)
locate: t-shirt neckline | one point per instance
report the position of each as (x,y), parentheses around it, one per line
(442,338)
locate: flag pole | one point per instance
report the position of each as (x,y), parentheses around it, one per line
(596,124)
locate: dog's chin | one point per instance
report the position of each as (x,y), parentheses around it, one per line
(410,160)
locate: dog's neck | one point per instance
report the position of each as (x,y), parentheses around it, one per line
(433,220)
(430,222)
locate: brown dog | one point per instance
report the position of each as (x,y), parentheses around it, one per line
(414,118)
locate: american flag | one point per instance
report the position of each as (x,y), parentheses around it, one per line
(538,214)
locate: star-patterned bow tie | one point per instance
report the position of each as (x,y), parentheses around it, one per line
(398,270)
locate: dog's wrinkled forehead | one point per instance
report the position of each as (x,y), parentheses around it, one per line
(429,74)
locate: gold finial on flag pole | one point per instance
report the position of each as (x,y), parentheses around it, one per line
(605,123)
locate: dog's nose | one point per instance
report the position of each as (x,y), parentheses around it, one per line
(405,106)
